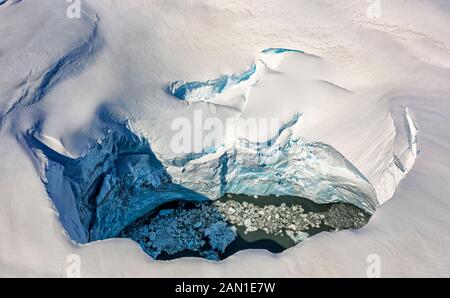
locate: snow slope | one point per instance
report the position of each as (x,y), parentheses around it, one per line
(73,78)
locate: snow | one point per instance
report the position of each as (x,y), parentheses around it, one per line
(64,81)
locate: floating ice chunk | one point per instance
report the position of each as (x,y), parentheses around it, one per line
(220,235)
(297,237)
(211,255)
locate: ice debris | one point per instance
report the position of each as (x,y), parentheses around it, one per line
(208,228)
(199,228)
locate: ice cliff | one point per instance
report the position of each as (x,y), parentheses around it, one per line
(120,179)
(116,182)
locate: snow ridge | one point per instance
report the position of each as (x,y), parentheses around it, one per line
(32,90)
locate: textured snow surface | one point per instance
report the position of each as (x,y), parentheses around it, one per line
(348,78)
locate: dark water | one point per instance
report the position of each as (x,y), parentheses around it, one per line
(257,239)
(273,243)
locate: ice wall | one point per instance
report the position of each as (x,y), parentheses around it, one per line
(117,181)
(284,165)
(120,179)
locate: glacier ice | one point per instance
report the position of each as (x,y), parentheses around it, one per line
(208,90)
(280,51)
(120,179)
(156,43)
(292,167)
(197,91)
(116,182)
(278,64)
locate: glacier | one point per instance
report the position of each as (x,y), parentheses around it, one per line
(372,100)
(121,178)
